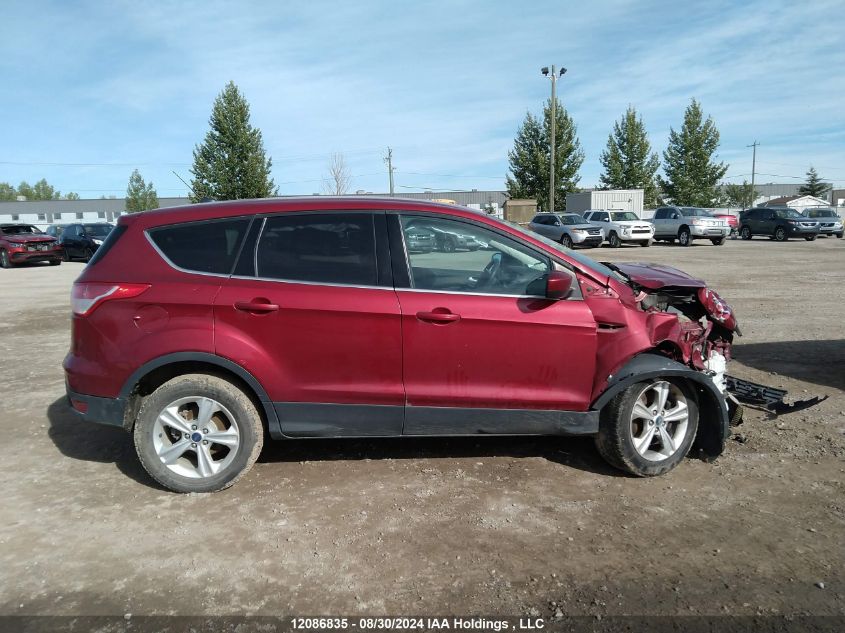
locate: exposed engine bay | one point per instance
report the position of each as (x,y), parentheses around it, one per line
(707,327)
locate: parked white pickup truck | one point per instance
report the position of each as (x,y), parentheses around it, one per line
(621,226)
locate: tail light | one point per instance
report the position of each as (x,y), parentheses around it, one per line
(85,297)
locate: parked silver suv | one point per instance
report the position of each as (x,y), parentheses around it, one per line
(829,221)
(570,229)
(687,224)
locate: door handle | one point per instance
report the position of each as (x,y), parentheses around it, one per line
(438,317)
(256,306)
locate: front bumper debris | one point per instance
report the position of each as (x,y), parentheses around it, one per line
(767,398)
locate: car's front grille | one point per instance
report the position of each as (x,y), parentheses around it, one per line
(38,247)
(828,225)
(809,225)
(594,231)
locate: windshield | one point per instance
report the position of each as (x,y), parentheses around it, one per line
(586,262)
(694,212)
(571,219)
(791,214)
(624,216)
(98,230)
(20,229)
(821,213)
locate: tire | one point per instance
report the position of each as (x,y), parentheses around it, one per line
(87,254)
(154,435)
(718,241)
(684,238)
(55,262)
(566,240)
(780,234)
(4,260)
(614,240)
(810,238)
(839,235)
(745,233)
(619,427)
(65,255)
(646,244)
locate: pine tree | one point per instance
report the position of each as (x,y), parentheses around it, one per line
(814,186)
(691,173)
(529,158)
(231,163)
(628,160)
(140,196)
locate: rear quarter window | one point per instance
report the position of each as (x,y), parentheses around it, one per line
(204,247)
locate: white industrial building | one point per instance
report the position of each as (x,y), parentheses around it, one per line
(610,199)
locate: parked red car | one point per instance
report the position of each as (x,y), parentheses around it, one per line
(21,243)
(199,328)
(732,220)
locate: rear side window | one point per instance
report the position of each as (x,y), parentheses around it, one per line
(337,248)
(204,247)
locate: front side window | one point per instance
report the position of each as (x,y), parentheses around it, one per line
(206,247)
(332,248)
(470,258)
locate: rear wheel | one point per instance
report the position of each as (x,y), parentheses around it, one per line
(4,260)
(198,433)
(566,240)
(780,234)
(684,237)
(745,233)
(718,241)
(648,428)
(614,240)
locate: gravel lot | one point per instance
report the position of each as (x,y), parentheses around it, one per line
(492,526)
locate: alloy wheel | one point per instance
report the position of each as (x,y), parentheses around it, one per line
(196,437)
(659,421)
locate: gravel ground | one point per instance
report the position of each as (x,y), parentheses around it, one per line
(487,525)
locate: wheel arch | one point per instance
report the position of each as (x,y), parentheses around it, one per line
(713,424)
(156,372)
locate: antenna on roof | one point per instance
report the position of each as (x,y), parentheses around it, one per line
(191,189)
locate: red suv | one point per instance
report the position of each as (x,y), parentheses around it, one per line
(198,329)
(24,243)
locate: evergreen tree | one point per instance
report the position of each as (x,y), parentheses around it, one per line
(814,186)
(691,173)
(140,196)
(529,158)
(231,163)
(7,192)
(628,160)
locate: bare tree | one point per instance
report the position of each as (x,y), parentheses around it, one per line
(338,180)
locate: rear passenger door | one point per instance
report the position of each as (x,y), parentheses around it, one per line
(311,312)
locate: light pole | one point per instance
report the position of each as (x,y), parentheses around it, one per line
(554,75)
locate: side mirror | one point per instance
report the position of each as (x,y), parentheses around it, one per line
(557,223)
(557,285)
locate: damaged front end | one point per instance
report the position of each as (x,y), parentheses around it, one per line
(692,324)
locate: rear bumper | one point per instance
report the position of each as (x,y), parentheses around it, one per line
(107,411)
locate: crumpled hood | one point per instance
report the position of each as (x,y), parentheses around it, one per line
(29,238)
(656,276)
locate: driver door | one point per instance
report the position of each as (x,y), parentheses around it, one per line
(479,333)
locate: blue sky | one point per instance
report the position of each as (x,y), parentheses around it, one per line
(93,89)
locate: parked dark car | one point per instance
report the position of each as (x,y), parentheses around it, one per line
(200,329)
(777,223)
(830,223)
(54,230)
(81,241)
(24,243)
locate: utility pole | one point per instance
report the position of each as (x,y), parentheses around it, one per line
(390,168)
(753,170)
(554,77)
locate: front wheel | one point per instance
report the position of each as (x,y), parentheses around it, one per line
(566,240)
(647,429)
(4,260)
(810,238)
(198,433)
(780,234)
(745,233)
(614,240)
(55,262)
(647,243)
(718,241)
(684,237)
(839,235)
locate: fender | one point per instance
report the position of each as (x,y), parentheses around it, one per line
(713,422)
(275,428)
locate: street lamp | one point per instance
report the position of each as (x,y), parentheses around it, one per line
(554,76)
